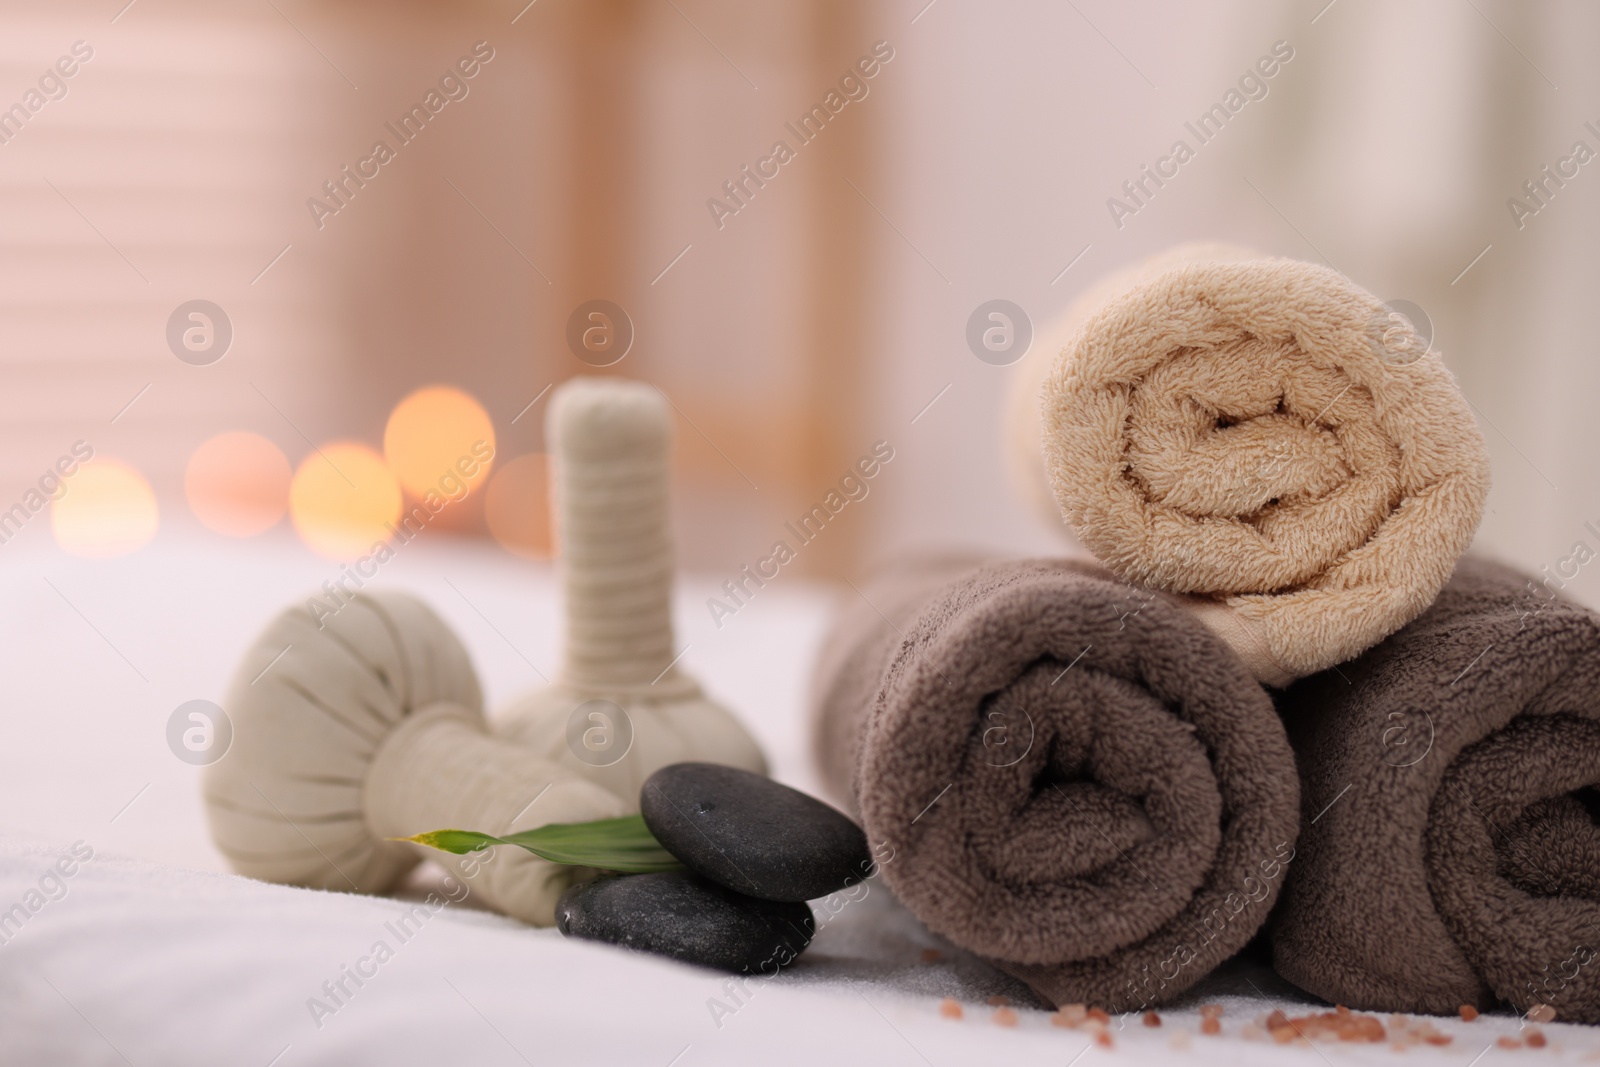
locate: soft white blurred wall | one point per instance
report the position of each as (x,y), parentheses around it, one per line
(1388,147)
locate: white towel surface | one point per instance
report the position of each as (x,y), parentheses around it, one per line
(150,954)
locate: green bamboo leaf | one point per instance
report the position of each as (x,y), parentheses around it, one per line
(623,844)
(459,842)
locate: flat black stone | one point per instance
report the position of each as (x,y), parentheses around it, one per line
(685,917)
(751,833)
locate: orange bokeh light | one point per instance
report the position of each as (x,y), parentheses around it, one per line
(437,439)
(106,509)
(342,499)
(517,507)
(238,484)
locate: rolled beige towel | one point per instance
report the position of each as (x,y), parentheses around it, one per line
(1260,436)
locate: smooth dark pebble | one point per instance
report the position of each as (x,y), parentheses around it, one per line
(685,917)
(752,834)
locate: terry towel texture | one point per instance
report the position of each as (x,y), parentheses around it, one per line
(1259,434)
(1068,776)
(1454,857)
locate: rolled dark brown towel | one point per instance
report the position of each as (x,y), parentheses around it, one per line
(1058,772)
(1450,853)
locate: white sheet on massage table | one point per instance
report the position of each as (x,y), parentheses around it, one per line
(156,956)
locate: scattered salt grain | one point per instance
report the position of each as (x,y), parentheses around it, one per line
(1342,1025)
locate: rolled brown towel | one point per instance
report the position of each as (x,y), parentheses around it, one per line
(1450,853)
(1068,776)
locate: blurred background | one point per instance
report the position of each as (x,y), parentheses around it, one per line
(359,333)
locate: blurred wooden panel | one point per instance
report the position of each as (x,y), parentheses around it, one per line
(599,53)
(579,166)
(840,285)
(145,185)
(770,399)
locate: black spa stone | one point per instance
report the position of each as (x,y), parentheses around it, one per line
(685,917)
(752,834)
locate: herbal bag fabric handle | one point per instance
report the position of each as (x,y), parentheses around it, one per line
(623,707)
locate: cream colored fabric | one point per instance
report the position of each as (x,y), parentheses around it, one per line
(439,769)
(611,443)
(1024,434)
(611,440)
(1258,436)
(366,725)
